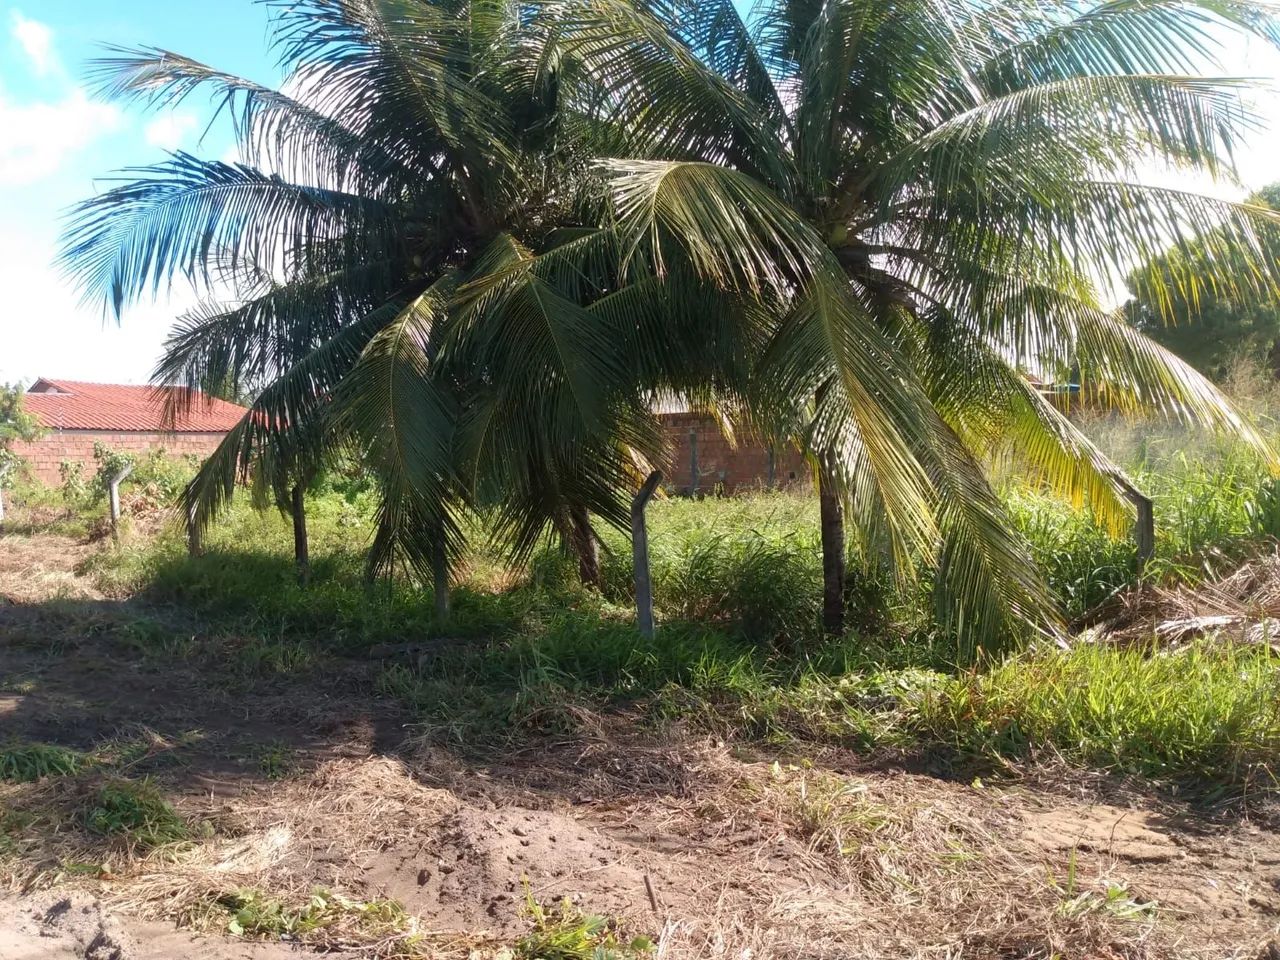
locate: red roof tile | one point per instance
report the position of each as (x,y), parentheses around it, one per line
(73,405)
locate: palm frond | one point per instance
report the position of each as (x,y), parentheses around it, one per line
(180,216)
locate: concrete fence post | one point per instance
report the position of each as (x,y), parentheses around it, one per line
(195,540)
(113,492)
(1144,527)
(640,554)
(4,471)
(693,462)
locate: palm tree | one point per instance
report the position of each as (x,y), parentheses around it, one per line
(929,197)
(381,268)
(483,239)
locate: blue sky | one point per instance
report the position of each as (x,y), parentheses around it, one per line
(57,146)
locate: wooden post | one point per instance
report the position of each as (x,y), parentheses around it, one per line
(640,554)
(301,550)
(773,467)
(113,492)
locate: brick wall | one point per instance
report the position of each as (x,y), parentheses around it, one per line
(703,461)
(44,455)
(694,440)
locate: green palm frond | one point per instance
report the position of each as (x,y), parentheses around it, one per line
(273,130)
(181,216)
(288,422)
(405,419)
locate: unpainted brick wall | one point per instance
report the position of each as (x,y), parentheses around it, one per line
(46,454)
(701,460)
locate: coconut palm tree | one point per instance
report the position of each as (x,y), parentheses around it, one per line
(371,271)
(932,197)
(479,240)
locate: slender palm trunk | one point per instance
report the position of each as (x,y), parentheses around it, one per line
(440,579)
(833,571)
(301,549)
(582,540)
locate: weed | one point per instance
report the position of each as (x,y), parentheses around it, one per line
(833,814)
(1114,899)
(154,639)
(1209,713)
(137,811)
(565,933)
(25,763)
(266,658)
(257,916)
(276,760)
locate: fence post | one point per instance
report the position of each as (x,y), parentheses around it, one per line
(113,492)
(195,544)
(1144,528)
(4,471)
(640,554)
(693,462)
(773,467)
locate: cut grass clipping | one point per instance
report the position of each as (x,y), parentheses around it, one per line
(136,811)
(28,762)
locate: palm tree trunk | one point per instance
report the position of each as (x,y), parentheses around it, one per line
(833,571)
(440,578)
(582,540)
(301,550)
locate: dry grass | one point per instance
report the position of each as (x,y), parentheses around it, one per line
(1243,606)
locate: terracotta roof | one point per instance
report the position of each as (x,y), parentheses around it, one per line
(73,405)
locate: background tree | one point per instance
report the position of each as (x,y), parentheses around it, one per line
(16,424)
(1207,326)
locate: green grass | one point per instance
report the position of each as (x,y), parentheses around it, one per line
(1209,713)
(254,915)
(28,762)
(565,933)
(136,811)
(737,586)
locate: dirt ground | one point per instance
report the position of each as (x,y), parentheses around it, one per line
(310,781)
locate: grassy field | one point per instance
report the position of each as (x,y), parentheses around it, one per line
(147,674)
(737,587)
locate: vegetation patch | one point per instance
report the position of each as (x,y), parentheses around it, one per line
(137,812)
(563,932)
(27,762)
(1208,714)
(324,916)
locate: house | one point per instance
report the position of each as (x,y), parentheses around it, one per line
(701,459)
(128,419)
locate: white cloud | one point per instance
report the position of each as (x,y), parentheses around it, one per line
(169,130)
(50,332)
(36,139)
(36,40)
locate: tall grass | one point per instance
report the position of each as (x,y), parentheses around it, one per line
(737,588)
